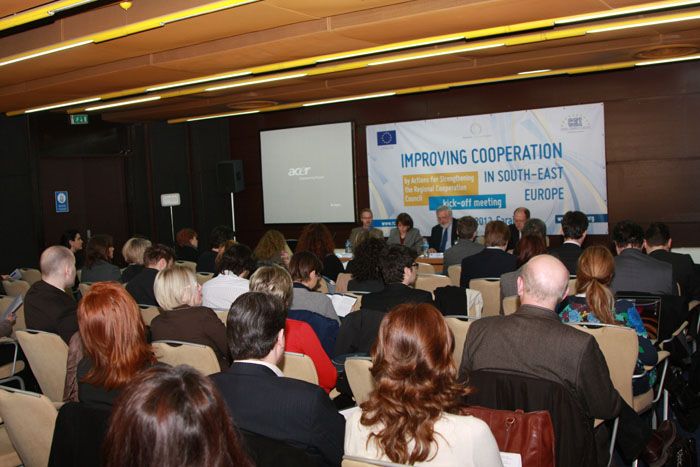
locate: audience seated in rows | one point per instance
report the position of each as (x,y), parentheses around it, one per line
(317,239)
(299,336)
(98,257)
(574,227)
(305,268)
(273,249)
(219,235)
(527,247)
(155,258)
(657,242)
(412,415)
(405,234)
(493,260)
(183,317)
(533,341)
(260,399)
(465,246)
(366,276)
(187,243)
(47,307)
(366,218)
(133,251)
(237,262)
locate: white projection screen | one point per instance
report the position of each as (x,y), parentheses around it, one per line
(307,174)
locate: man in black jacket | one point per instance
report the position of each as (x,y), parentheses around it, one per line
(657,242)
(574,227)
(155,258)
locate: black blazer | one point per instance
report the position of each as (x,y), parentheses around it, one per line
(683,272)
(141,287)
(436,236)
(491,262)
(568,254)
(395,294)
(514,237)
(296,412)
(50,309)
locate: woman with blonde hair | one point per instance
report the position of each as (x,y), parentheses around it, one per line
(133,251)
(273,249)
(594,303)
(183,318)
(411,416)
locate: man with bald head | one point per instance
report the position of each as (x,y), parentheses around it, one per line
(47,306)
(533,341)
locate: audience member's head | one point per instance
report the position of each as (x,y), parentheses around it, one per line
(171,417)
(574,225)
(596,268)
(219,254)
(270,245)
(444,215)
(466,227)
(543,281)
(177,286)
(255,327)
(57,265)
(363,236)
(397,265)
(219,235)
(657,236)
(404,222)
(628,234)
(520,216)
(317,239)
(113,334)
(497,234)
(416,380)
(303,264)
(535,226)
(158,256)
(366,218)
(238,259)
(528,247)
(187,237)
(274,280)
(71,239)
(365,265)
(99,248)
(134,248)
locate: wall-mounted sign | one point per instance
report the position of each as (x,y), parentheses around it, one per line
(61,201)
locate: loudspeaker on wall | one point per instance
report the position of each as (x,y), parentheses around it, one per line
(229,176)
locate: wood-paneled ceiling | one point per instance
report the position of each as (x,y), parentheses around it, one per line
(272,39)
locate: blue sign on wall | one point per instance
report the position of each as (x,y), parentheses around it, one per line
(61,201)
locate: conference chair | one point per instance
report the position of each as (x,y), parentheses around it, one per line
(8,371)
(511,304)
(572,285)
(79,273)
(357,370)
(454,272)
(198,356)
(341,283)
(8,455)
(148,312)
(430,282)
(490,288)
(459,325)
(47,355)
(30,275)
(20,323)
(191,265)
(356,461)
(222,315)
(202,277)
(322,286)
(84,288)
(298,366)
(358,296)
(29,419)
(14,288)
(425,268)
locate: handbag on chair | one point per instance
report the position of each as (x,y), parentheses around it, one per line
(529,434)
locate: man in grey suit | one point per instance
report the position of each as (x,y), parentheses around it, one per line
(466,246)
(635,271)
(366,218)
(534,341)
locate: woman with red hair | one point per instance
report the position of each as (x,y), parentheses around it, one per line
(410,417)
(317,239)
(114,339)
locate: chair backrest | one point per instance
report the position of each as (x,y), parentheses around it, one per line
(298,366)
(79,273)
(202,277)
(322,286)
(222,315)
(358,303)
(341,283)
(30,275)
(511,304)
(14,288)
(198,356)
(355,461)
(459,325)
(491,291)
(20,323)
(357,369)
(191,265)
(620,347)
(29,419)
(48,356)
(148,312)
(430,282)
(84,287)
(572,285)
(453,272)
(8,455)
(425,268)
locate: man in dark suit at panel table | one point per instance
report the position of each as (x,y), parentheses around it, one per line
(657,242)
(260,399)
(444,234)
(574,227)
(493,260)
(520,216)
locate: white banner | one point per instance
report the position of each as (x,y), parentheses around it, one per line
(547,160)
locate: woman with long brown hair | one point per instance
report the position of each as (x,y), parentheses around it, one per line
(317,239)
(98,256)
(594,303)
(273,249)
(410,417)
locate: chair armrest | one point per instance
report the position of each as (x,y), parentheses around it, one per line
(663,355)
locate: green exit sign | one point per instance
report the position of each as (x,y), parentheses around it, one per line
(78,119)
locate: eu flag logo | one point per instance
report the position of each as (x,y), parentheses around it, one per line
(386,137)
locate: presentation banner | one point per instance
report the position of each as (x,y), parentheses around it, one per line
(549,160)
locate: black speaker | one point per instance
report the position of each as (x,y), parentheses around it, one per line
(229,176)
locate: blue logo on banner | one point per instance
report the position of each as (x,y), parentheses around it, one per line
(61,201)
(592,218)
(385,138)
